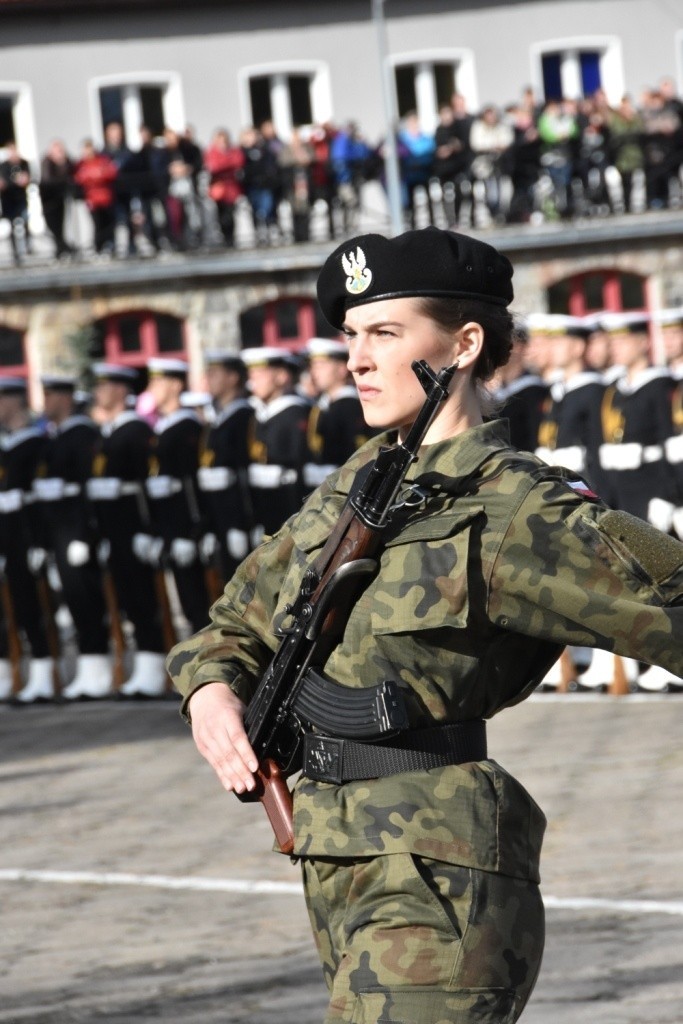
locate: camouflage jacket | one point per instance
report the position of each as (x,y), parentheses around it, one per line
(476,594)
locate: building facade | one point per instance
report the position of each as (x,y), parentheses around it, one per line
(68,68)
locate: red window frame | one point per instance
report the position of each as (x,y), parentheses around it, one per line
(149,342)
(305,322)
(611,292)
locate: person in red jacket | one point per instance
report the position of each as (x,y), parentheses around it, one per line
(224,162)
(95,174)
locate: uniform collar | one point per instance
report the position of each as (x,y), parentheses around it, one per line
(460,456)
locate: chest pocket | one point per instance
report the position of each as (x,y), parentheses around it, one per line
(423,580)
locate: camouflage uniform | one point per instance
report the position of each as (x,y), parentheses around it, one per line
(423,887)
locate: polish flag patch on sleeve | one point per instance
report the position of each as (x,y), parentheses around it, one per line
(582,488)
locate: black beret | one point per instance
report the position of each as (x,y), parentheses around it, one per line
(429,261)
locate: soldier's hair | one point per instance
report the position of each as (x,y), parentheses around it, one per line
(496,321)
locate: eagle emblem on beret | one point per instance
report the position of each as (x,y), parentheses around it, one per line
(358,275)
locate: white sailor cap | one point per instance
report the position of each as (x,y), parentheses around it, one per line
(563,325)
(536,323)
(163,367)
(115,374)
(195,399)
(58,382)
(593,322)
(327,348)
(632,323)
(13,385)
(672,317)
(266,355)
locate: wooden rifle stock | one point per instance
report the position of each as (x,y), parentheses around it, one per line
(14,647)
(273,792)
(51,632)
(118,640)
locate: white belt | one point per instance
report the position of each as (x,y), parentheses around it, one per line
(270,477)
(109,488)
(314,474)
(215,478)
(674,448)
(11,501)
(573,457)
(54,488)
(163,486)
(629,456)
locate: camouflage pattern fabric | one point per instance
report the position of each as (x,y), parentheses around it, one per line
(408,939)
(476,594)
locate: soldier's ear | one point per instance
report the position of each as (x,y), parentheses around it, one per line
(468,344)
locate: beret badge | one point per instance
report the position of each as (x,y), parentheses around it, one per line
(358,276)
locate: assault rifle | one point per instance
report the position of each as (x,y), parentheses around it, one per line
(273,721)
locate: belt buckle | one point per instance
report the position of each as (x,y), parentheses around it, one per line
(324,757)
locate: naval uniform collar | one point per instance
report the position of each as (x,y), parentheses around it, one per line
(650,373)
(73,421)
(266,410)
(230,409)
(166,422)
(16,437)
(527,380)
(119,421)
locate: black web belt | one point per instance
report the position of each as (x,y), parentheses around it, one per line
(329,759)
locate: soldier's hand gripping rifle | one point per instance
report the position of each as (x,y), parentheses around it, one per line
(318,616)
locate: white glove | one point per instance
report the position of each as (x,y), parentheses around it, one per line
(237,543)
(678,522)
(208,546)
(183,552)
(660,513)
(35,559)
(147,548)
(77,553)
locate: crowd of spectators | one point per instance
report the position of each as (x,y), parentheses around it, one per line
(529,161)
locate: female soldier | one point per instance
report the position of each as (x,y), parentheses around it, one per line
(422,884)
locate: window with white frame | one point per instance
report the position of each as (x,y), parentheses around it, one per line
(426,81)
(574,68)
(289,95)
(150,98)
(16,119)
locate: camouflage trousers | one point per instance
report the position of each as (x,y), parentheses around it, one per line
(407,940)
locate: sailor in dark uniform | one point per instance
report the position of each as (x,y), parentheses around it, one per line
(570,432)
(172,486)
(117,492)
(278,447)
(670,323)
(223,462)
(637,424)
(60,492)
(22,446)
(336,425)
(520,393)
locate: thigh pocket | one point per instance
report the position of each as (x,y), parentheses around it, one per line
(416,1006)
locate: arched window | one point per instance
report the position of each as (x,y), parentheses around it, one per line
(598,290)
(135,337)
(289,322)
(13,361)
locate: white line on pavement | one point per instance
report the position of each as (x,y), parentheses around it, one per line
(244,886)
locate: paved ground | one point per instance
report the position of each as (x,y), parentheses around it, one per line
(111,823)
